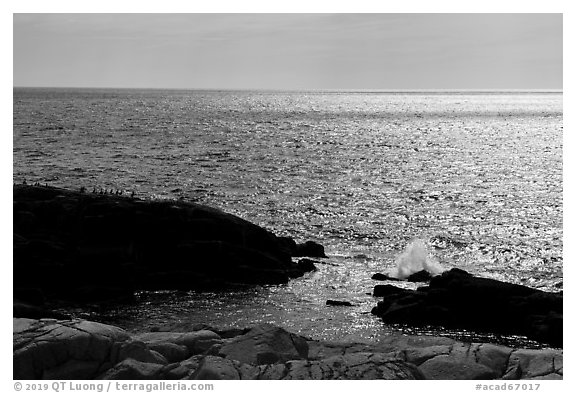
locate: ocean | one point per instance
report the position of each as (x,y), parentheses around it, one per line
(475,176)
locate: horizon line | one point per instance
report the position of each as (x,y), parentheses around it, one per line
(327,90)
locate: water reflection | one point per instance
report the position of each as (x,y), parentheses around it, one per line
(479,176)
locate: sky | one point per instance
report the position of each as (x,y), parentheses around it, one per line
(289,51)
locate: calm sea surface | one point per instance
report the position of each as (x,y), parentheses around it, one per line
(476,176)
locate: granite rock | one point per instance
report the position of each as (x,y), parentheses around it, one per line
(265,344)
(77,349)
(54,349)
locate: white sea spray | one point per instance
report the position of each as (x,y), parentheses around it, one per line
(414,258)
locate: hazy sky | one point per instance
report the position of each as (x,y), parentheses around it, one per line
(289,51)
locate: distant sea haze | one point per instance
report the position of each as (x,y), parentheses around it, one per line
(476,176)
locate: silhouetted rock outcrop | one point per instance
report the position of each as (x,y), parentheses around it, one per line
(384,277)
(387,289)
(421,276)
(456,299)
(306,249)
(310,249)
(88,247)
(331,302)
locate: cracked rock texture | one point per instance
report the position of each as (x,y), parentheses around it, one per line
(265,344)
(78,349)
(50,349)
(352,367)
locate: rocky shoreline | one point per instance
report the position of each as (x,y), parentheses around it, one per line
(79,247)
(79,349)
(90,247)
(456,299)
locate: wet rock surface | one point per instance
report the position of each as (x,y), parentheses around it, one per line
(78,349)
(456,299)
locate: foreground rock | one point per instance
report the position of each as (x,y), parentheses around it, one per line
(46,349)
(360,366)
(89,247)
(76,349)
(456,299)
(265,344)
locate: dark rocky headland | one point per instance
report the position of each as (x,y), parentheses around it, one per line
(74,247)
(85,246)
